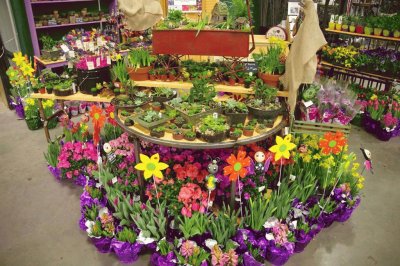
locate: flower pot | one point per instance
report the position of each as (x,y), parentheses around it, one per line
(42,90)
(236,118)
(377,31)
(103,244)
(386,33)
(63,92)
(272,80)
(247,84)
(35,90)
(177,136)
(129,122)
(163,77)
(88,79)
(249,260)
(233,137)
(241,80)
(162,99)
(352,28)
(344,212)
(396,34)
(248,132)
(232,81)
(49,90)
(18,106)
(191,42)
(34,123)
(94,93)
(359,29)
(139,74)
(158,260)
(54,55)
(328,218)
(264,114)
(153,77)
(125,251)
(338,26)
(345,27)
(56,172)
(171,77)
(370,125)
(190,138)
(156,108)
(302,240)
(213,138)
(382,134)
(279,255)
(368,30)
(331,25)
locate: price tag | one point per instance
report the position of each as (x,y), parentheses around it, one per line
(91,46)
(85,46)
(99,41)
(292,177)
(308,103)
(286,131)
(70,64)
(108,60)
(71,54)
(64,48)
(112,44)
(90,65)
(215,115)
(79,44)
(114,180)
(98,61)
(160,115)
(74,87)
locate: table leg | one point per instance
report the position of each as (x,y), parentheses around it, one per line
(44,118)
(136,144)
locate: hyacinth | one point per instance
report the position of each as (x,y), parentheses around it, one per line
(187,248)
(280,232)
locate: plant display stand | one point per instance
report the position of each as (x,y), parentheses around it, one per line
(305,127)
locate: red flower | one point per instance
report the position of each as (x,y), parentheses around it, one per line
(110,113)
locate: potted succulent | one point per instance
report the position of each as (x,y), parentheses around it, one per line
(179,121)
(125,113)
(248,79)
(264,105)
(235,134)
(270,65)
(162,95)
(139,64)
(235,111)
(212,129)
(162,74)
(190,135)
(187,127)
(248,130)
(158,132)
(171,128)
(172,75)
(156,106)
(152,74)
(151,119)
(177,134)
(129,122)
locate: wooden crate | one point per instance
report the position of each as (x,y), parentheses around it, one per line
(306,127)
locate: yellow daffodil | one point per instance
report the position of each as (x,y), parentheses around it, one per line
(317,157)
(19,59)
(374,97)
(282,147)
(27,70)
(151,166)
(307,158)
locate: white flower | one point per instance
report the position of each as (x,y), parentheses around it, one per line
(269,236)
(271,222)
(89,230)
(210,243)
(142,239)
(293,224)
(292,177)
(103,211)
(261,189)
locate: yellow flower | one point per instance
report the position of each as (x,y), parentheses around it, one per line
(151,166)
(374,97)
(307,158)
(282,147)
(317,157)
(27,70)
(355,167)
(19,59)
(30,101)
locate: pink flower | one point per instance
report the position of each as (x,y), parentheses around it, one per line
(186,212)
(76,172)
(195,206)
(187,248)
(69,175)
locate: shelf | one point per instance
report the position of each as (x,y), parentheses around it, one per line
(70,25)
(188,85)
(356,71)
(59,2)
(383,38)
(74,97)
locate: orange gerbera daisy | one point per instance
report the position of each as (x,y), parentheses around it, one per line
(332,143)
(98,118)
(237,166)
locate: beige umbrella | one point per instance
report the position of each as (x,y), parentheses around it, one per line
(301,64)
(140,14)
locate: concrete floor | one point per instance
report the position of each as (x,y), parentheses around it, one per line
(40,215)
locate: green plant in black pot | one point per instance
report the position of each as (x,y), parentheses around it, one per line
(248,79)
(129,122)
(158,132)
(179,121)
(212,129)
(190,135)
(235,111)
(49,51)
(163,94)
(116,92)
(235,134)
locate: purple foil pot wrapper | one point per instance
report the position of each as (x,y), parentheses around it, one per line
(302,240)
(158,260)
(82,221)
(126,252)
(103,244)
(242,236)
(56,172)
(248,260)
(80,180)
(19,107)
(279,255)
(344,212)
(328,218)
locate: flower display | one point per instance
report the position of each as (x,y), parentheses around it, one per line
(332,143)
(283,147)
(193,199)
(98,119)
(237,166)
(151,166)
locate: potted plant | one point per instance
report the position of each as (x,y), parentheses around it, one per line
(116,91)
(248,130)
(42,89)
(49,90)
(212,129)
(172,75)
(163,94)
(119,74)
(156,106)
(32,117)
(187,127)
(270,65)
(353,22)
(158,132)
(332,22)
(359,25)
(190,135)
(151,119)
(92,70)
(129,122)
(49,49)
(36,87)
(235,111)
(171,128)
(338,25)
(396,26)
(369,26)
(235,134)
(240,76)
(232,80)
(264,105)
(177,134)
(386,25)
(345,23)
(378,26)
(179,121)
(152,74)
(162,74)
(248,79)
(139,64)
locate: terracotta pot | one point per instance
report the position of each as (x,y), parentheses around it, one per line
(232,81)
(42,90)
(153,77)
(248,132)
(241,80)
(139,74)
(171,77)
(272,80)
(377,31)
(177,136)
(359,29)
(156,108)
(163,77)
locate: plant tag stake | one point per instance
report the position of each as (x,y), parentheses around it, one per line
(286,130)
(90,65)
(114,180)
(71,54)
(79,44)
(215,115)
(74,87)
(91,46)
(98,61)
(70,65)
(108,60)
(98,185)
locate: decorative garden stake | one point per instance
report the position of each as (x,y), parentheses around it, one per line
(212,169)
(282,150)
(152,167)
(368,161)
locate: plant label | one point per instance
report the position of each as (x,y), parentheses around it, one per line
(91,46)
(116,85)
(79,44)
(108,60)
(286,131)
(70,64)
(308,103)
(332,18)
(85,46)
(98,185)
(90,65)
(71,54)
(99,41)
(97,61)
(340,19)
(74,87)
(64,48)
(114,180)
(215,115)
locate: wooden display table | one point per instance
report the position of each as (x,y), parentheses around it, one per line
(75,97)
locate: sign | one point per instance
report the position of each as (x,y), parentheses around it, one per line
(278,32)
(185,5)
